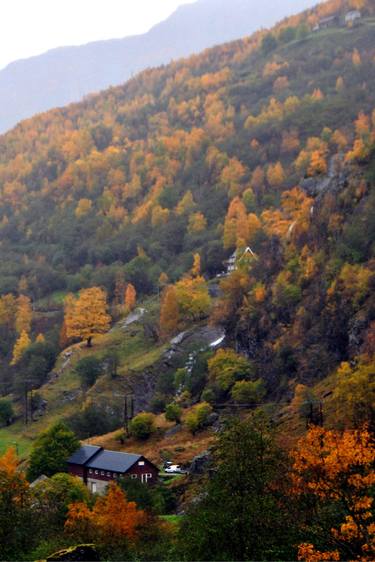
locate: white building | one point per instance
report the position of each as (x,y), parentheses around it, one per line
(352,16)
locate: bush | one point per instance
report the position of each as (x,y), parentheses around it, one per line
(142,426)
(248,392)
(173,413)
(197,418)
(89,369)
(6,412)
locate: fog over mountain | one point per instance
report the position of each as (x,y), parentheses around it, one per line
(66,74)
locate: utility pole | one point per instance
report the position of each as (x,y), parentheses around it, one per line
(128,411)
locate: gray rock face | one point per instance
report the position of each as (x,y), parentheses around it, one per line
(334,181)
(201,463)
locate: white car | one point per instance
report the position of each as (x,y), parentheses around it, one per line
(174,469)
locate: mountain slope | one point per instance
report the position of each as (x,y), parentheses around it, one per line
(67,74)
(267,142)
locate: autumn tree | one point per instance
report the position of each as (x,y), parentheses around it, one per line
(337,470)
(169,312)
(227,367)
(193,297)
(86,316)
(23,314)
(196,269)
(113,521)
(354,395)
(16,524)
(20,347)
(276,174)
(130,297)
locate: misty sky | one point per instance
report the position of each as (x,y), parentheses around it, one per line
(30,27)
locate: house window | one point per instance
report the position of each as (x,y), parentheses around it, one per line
(133,476)
(102,472)
(146,477)
(109,474)
(90,470)
(141,463)
(96,471)
(114,475)
(93,487)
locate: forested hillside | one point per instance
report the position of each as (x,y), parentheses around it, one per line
(201,157)
(201,240)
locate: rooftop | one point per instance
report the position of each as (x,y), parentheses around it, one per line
(102,459)
(113,461)
(84,454)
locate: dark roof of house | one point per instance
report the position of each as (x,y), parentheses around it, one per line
(84,454)
(113,461)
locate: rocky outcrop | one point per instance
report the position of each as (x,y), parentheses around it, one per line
(335,180)
(200,464)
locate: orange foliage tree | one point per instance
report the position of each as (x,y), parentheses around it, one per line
(169,313)
(130,297)
(113,521)
(337,469)
(87,315)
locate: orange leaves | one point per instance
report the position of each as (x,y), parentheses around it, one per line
(295,214)
(308,553)
(130,297)
(356,58)
(113,519)
(239,227)
(87,315)
(276,174)
(83,208)
(169,312)
(9,462)
(339,467)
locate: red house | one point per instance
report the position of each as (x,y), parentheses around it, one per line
(97,467)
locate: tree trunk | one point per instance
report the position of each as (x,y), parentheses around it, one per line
(89,341)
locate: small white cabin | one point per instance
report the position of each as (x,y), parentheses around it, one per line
(237,257)
(352,16)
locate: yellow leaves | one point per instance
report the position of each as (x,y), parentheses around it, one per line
(196,269)
(23,314)
(273,67)
(86,315)
(197,223)
(276,175)
(20,347)
(340,84)
(232,175)
(159,216)
(239,227)
(186,205)
(356,58)
(192,297)
(83,208)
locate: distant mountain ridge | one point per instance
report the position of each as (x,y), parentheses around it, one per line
(66,74)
